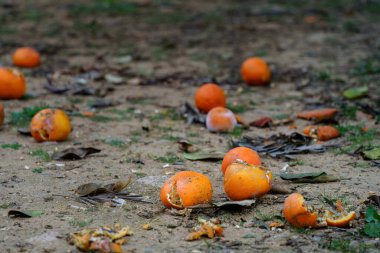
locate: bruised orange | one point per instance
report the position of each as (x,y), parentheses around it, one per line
(50,125)
(26,57)
(12,84)
(297,213)
(220,119)
(255,71)
(322,133)
(1,114)
(208,96)
(245,181)
(185,189)
(245,154)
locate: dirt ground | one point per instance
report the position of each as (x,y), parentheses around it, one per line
(163,50)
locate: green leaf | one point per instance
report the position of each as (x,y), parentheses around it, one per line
(312,177)
(24,214)
(373,154)
(356,92)
(372,229)
(371,215)
(204,155)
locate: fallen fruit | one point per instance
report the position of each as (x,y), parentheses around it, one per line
(321,133)
(12,84)
(255,71)
(319,114)
(220,119)
(208,96)
(50,125)
(185,189)
(297,213)
(208,229)
(341,220)
(245,181)
(26,57)
(1,114)
(245,154)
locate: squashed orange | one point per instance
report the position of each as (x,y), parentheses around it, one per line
(245,154)
(50,125)
(12,84)
(296,212)
(245,181)
(185,189)
(208,96)
(220,119)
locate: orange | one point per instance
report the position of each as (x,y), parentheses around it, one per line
(220,119)
(12,84)
(1,114)
(245,181)
(245,154)
(297,213)
(322,133)
(185,189)
(340,221)
(255,71)
(50,125)
(26,57)
(208,96)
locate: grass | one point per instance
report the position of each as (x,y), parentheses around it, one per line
(170,113)
(237,132)
(115,143)
(237,108)
(101,119)
(41,154)
(22,118)
(80,223)
(348,111)
(343,245)
(14,146)
(38,170)
(168,158)
(357,137)
(367,66)
(103,7)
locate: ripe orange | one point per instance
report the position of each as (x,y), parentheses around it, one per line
(185,189)
(255,71)
(12,84)
(1,114)
(245,181)
(50,125)
(297,213)
(26,57)
(208,96)
(220,119)
(245,154)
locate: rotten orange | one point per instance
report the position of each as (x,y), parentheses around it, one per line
(297,213)
(220,119)
(245,181)
(12,84)
(185,189)
(50,125)
(245,154)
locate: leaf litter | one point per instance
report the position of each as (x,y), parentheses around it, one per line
(74,153)
(280,145)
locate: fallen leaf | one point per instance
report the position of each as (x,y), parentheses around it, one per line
(90,189)
(185,146)
(319,114)
(192,114)
(204,155)
(279,189)
(246,202)
(354,93)
(312,177)
(372,228)
(372,154)
(24,214)
(119,185)
(74,153)
(262,122)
